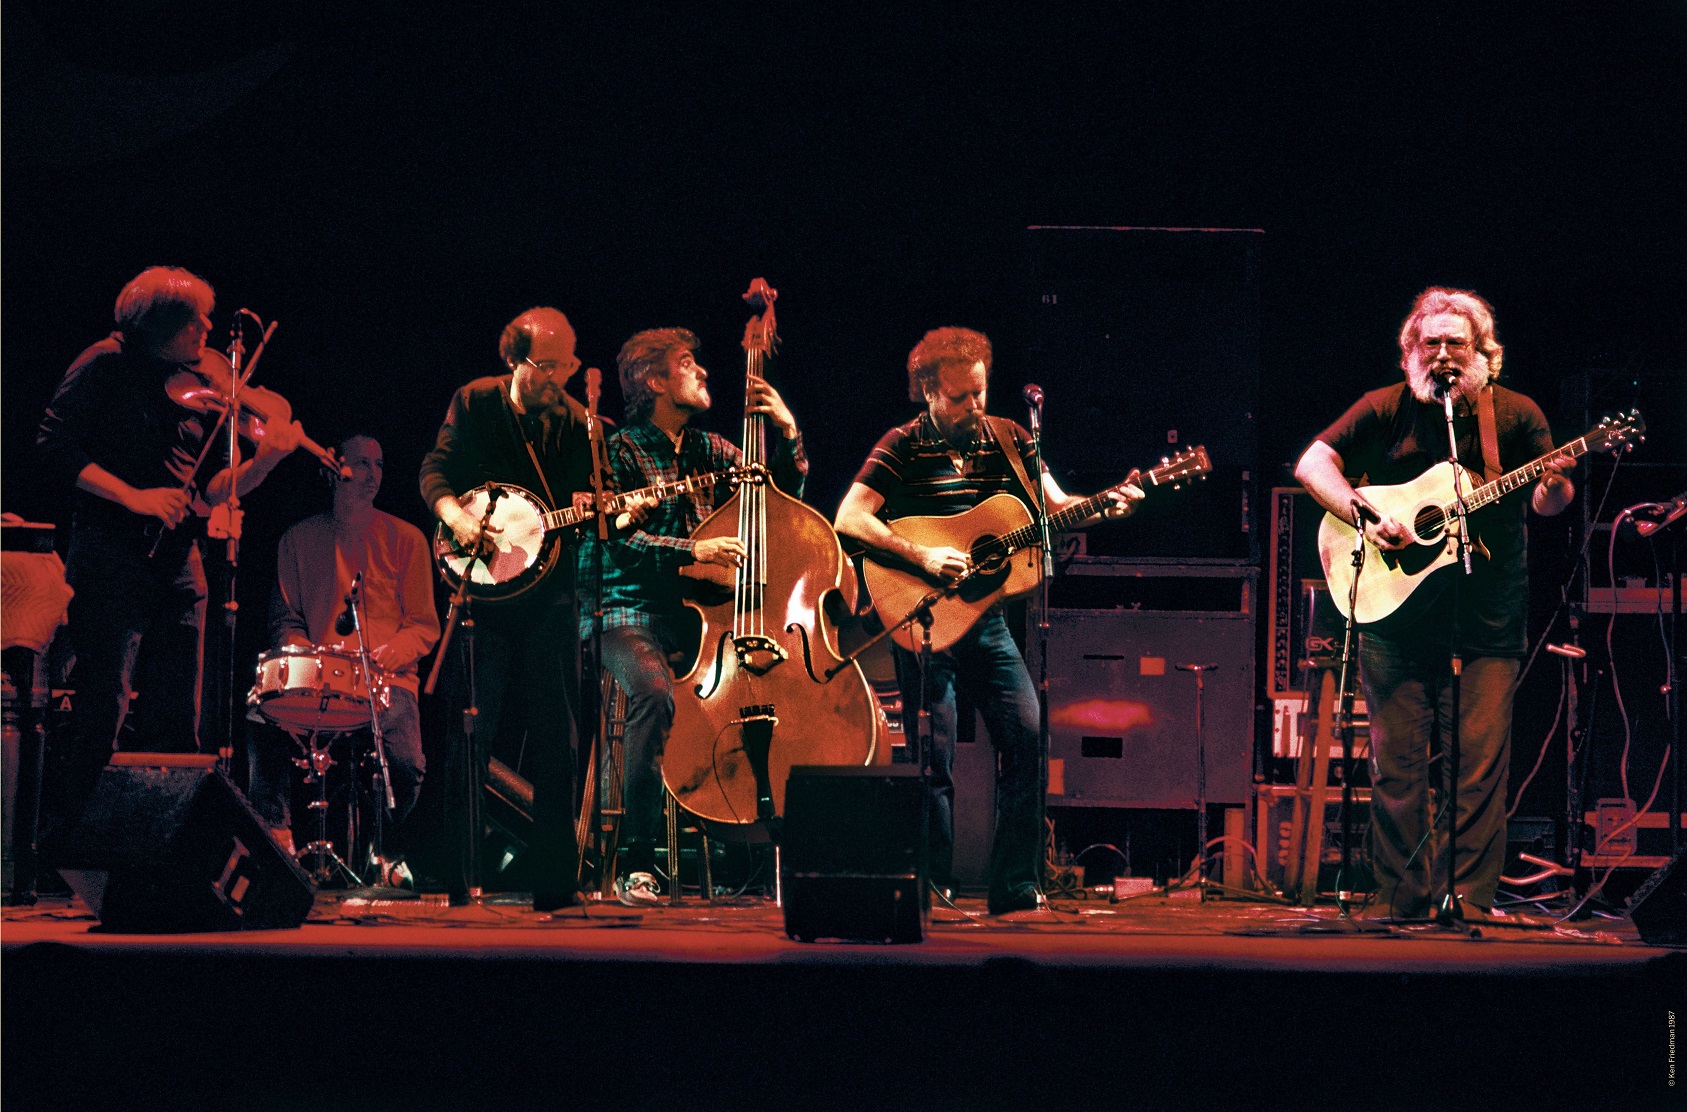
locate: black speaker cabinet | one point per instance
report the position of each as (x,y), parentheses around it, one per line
(1122,714)
(852,866)
(1146,341)
(167,844)
(1659,907)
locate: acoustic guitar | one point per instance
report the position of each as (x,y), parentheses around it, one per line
(1427,506)
(1004,546)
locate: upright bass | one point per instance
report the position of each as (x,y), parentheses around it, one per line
(755,702)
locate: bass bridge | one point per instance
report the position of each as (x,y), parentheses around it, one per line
(758,655)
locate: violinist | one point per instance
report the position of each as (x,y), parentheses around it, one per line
(947,460)
(664,387)
(114,436)
(317,564)
(518,428)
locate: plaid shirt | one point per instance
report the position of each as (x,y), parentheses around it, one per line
(641,583)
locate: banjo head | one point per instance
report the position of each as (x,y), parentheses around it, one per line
(521,552)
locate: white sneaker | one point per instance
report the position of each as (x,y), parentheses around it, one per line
(638,890)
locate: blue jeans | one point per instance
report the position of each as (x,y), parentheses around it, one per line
(638,659)
(1409,696)
(987,667)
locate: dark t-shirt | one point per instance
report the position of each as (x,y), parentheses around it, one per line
(1389,437)
(918,472)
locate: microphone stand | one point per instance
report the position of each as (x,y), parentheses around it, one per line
(461,613)
(592,725)
(1346,692)
(225,524)
(1040,508)
(1672,513)
(225,521)
(1451,913)
(356,608)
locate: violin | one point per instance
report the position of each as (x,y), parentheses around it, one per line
(208,387)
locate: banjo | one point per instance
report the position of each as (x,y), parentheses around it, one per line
(526,546)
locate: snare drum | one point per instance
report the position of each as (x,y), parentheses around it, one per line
(314,690)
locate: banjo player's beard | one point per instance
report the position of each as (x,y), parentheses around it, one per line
(1420,378)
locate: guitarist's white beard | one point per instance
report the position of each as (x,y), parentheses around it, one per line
(1421,381)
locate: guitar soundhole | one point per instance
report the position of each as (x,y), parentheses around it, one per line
(985,556)
(1429,523)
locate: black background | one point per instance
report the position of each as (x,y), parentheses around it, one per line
(394,185)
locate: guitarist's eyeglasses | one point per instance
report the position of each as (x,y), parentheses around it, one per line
(1454,346)
(550,367)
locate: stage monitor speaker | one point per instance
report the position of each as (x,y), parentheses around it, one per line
(852,864)
(1147,341)
(167,844)
(1659,907)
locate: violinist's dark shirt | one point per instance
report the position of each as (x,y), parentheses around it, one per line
(111,409)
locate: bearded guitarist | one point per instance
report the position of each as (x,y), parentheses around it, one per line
(1390,436)
(945,461)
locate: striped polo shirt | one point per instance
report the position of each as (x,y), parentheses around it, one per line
(918,472)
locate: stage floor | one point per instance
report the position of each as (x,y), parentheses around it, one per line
(1150,931)
(1153,1002)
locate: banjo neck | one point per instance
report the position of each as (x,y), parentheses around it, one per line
(615,503)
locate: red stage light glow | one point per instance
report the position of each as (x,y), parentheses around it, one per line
(1114,715)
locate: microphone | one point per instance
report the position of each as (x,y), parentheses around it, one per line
(493,493)
(1363,513)
(1033,395)
(347,621)
(1671,512)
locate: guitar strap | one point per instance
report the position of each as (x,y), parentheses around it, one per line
(1003,432)
(1490,434)
(515,419)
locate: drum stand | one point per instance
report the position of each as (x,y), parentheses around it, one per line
(327,867)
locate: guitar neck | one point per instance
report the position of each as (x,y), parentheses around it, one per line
(1523,476)
(1029,535)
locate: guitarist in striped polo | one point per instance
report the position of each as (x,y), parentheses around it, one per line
(1390,436)
(949,459)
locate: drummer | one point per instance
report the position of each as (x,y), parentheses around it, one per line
(317,563)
